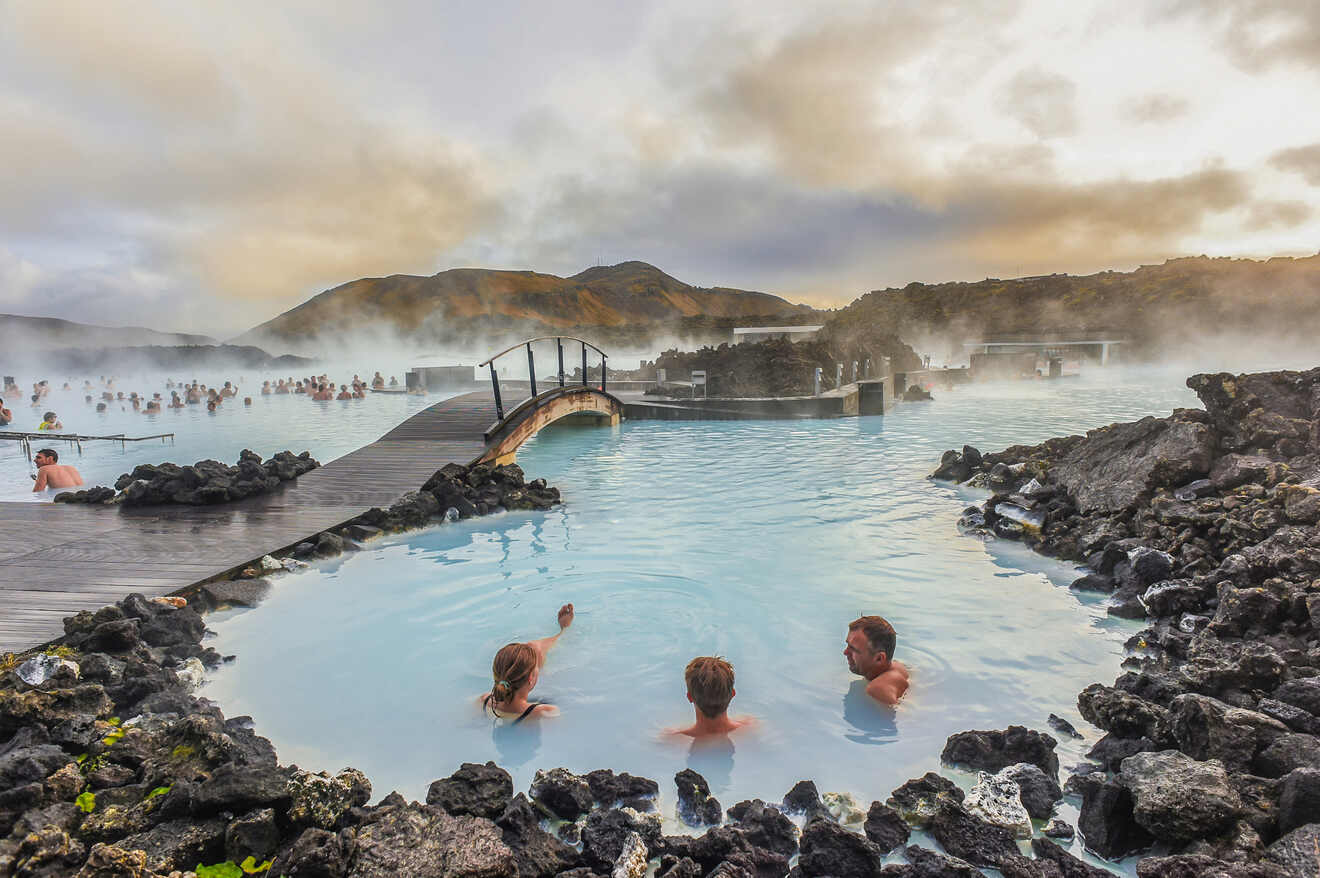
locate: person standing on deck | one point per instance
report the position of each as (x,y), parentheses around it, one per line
(869,649)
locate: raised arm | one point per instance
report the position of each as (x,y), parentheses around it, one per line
(543,645)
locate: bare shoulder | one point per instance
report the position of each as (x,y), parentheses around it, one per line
(545,711)
(889,687)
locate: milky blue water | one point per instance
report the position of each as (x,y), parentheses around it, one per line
(758,541)
(272,423)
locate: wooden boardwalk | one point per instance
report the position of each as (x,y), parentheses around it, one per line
(57,559)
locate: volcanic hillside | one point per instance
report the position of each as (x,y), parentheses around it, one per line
(632,300)
(36,333)
(1163,309)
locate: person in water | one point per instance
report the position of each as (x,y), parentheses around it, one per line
(869,649)
(710,689)
(49,421)
(53,474)
(6,416)
(515,670)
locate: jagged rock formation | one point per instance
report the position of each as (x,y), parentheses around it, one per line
(1204,524)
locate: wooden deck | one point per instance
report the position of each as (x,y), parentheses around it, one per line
(57,559)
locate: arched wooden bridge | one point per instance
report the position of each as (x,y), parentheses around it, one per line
(57,559)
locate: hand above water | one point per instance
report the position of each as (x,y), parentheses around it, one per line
(565,616)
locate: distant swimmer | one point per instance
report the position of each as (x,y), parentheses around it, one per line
(49,421)
(515,670)
(377,382)
(344,392)
(869,649)
(710,689)
(53,474)
(6,416)
(281,387)
(212,405)
(394,381)
(265,388)
(152,408)
(175,402)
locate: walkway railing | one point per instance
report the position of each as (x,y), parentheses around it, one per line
(531,365)
(26,439)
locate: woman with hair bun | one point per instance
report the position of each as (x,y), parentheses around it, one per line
(515,670)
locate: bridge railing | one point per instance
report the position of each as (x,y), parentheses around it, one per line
(558,352)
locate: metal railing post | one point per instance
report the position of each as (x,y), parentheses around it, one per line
(531,368)
(584,364)
(495,384)
(559,343)
(602,372)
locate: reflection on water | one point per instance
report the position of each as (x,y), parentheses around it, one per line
(757,541)
(517,744)
(712,758)
(871,722)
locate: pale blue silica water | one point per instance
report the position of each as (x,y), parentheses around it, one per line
(758,541)
(272,423)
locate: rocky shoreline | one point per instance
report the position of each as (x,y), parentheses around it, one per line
(111,766)
(1203,524)
(202,483)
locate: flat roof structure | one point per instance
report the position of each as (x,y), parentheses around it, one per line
(753,330)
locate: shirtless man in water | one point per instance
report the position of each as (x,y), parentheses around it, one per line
(869,649)
(709,681)
(53,474)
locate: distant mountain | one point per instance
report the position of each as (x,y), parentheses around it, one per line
(37,333)
(155,358)
(1163,310)
(632,299)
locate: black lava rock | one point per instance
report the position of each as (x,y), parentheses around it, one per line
(477,790)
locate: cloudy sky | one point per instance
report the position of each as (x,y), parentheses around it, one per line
(203,167)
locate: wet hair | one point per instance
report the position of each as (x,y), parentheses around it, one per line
(710,684)
(879,633)
(48,416)
(51,453)
(511,669)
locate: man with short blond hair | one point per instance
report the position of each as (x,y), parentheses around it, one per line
(869,649)
(710,689)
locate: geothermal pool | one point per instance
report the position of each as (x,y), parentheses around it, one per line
(758,541)
(272,423)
